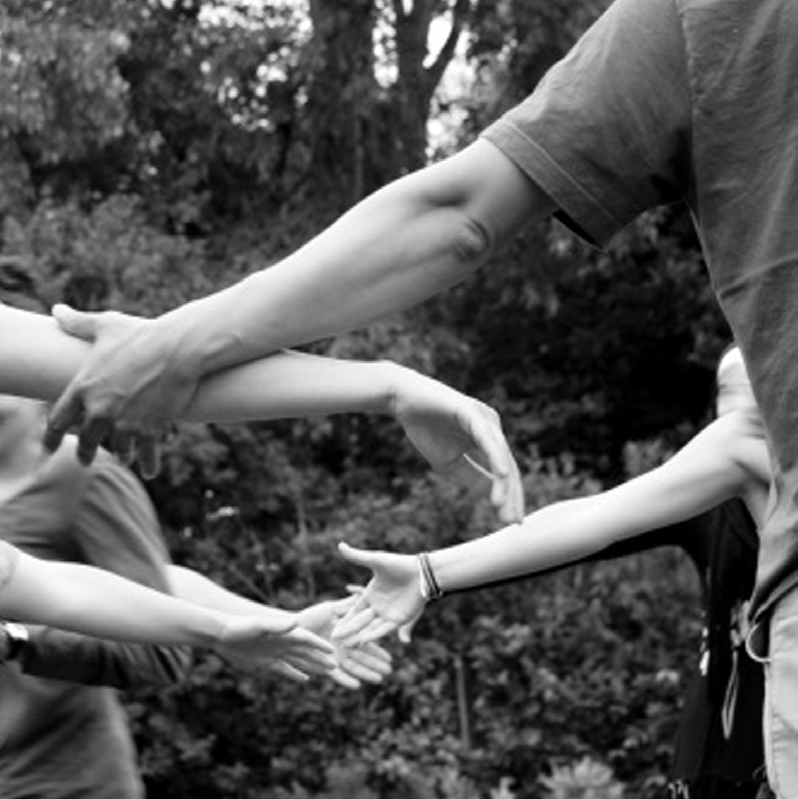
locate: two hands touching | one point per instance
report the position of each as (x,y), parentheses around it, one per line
(299,646)
(130,386)
(142,374)
(392,600)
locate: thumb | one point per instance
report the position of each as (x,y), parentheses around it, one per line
(80,324)
(280,627)
(405,632)
(360,557)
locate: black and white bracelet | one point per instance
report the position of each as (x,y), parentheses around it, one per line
(428,584)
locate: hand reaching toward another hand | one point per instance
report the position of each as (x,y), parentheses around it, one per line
(131,385)
(460,436)
(390,602)
(354,664)
(281,645)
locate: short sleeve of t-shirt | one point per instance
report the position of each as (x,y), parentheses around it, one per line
(116,526)
(8,561)
(606,132)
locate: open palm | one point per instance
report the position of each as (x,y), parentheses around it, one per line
(390,602)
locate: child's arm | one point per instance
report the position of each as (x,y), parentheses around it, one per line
(728,458)
(451,430)
(95,602)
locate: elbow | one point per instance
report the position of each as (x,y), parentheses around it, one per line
(473,242)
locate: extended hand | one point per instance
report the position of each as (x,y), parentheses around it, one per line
(391,601)
(255,643)
(460,435)
(131,384)
(354,664)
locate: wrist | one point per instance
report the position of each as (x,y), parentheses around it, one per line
(397,381)
(428,583)
(213,631)
(197,346)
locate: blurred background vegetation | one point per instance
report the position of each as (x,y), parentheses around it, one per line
(154,151)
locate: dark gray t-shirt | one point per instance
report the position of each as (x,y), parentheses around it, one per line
(60,740)
(695,101)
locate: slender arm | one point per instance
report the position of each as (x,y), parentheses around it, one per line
(724,460)
(455,433)
(37,360)
(88,600)
(194,587)
(728,458)
(92,601)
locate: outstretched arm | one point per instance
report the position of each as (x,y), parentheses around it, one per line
(354,665)
(413,238)
(454,432)
(728,458)
(406,242)
(95,602)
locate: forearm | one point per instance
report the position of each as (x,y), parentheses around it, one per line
(686,535)
(60,655)
(704,473)
(94,602)
(294,384)
(550,537)
(198,589)
(37,360)
(408,241)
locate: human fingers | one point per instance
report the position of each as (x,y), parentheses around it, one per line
(359,557)
(278,625)
(340,607)
(352,669)
(81,324)
(66,412)
(310,662)
(510,501)
(359,664)
(286,670)
(299,640)
(347,630)
(507,491)
(378,628)
(123,444)
(91,435)
(149,455)
(485,431)
(405,632)
(370,661)
(346,680)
